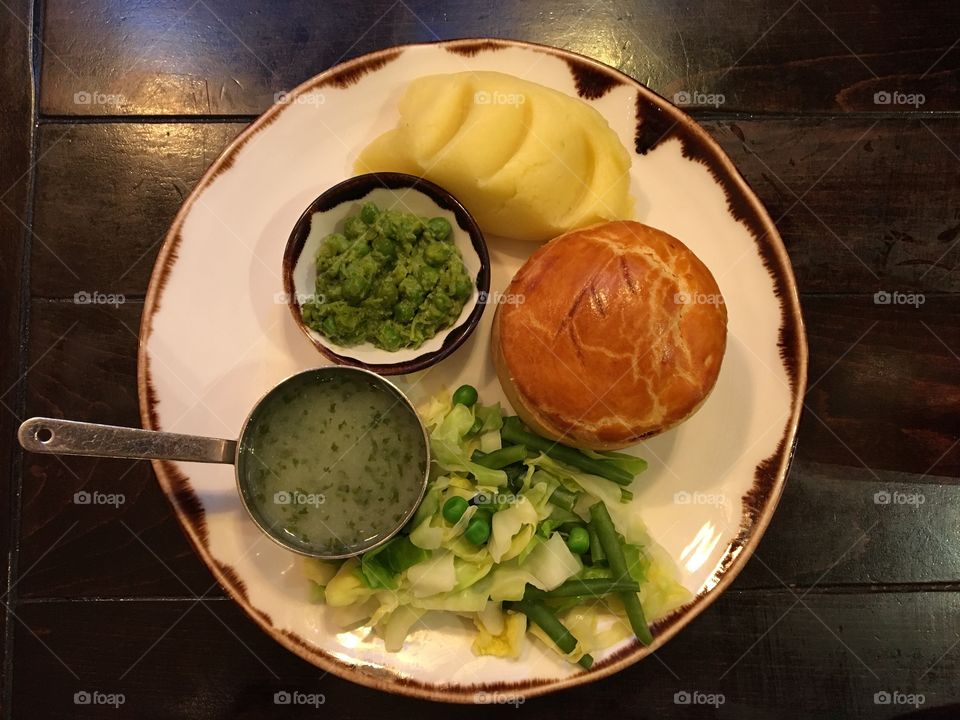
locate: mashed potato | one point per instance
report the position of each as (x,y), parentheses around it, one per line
(529,162)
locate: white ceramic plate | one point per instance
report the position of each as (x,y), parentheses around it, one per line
(214,338)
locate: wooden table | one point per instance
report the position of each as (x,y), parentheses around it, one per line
(845,118)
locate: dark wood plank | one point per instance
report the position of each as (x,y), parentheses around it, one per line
(885,529)
(178,660)
(106,195)
(83,360)
(862,205)
(884,386)
(220,57)
(16,145)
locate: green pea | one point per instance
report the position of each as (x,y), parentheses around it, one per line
(428,277)
(384,246)
(578,540)
(465,395)
(354,227)
(436,253)
(439,227)
(389,336)
(333,244)
(369,213)
(404,311)
(454,508)
(478,530)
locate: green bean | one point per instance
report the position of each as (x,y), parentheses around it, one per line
(625,495)
(515,475)
(540,614)
(596,573)
(601,522)
(499,459)
(586,588)
(514,433)
(597,555)
(564,498)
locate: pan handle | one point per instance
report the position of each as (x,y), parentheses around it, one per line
(67,437)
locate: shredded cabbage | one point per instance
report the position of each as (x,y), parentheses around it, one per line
(438,565)
(399,625)
(434,575)
(448,448)
(506,524)
(508,642)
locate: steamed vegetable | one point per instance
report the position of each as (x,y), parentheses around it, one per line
(514,433)
(507,532)
(589,588)
(503,640)
(465,395)
(578,540)
(613,549)
(542,616)
(499,459)
(447,447)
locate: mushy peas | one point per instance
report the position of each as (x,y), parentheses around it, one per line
(332,464)
(390,278)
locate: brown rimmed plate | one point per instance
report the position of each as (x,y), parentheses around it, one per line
(216,334)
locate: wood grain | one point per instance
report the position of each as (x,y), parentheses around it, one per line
(884,387)
(221,57)
(107,192)
(886,529)
(742,648)
(83,360)
(106,195)
(16,145)
(862,205)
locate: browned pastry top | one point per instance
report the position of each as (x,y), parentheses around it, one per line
(619,335)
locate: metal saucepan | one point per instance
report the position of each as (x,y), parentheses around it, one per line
(66,437)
